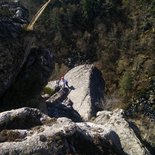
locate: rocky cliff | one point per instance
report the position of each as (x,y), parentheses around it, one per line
(29,131)
(14,47)
(75,122)
(21,67)
(45,135)
(86,91)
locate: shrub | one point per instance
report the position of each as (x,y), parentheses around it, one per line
(87,8)
(125,84)
(122,65)
(48,90)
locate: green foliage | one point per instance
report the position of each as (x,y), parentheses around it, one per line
(90,8)
(147,1)
(56,20)
(149,67)
(150,4)
(87,8)
(123,63)
(138,62)
(125,84)
(125,2)
(48,90)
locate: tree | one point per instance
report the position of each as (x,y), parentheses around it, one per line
(86,6)
(125,84)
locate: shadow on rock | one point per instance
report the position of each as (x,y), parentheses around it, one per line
(60,110)
(59,106)
(30,81)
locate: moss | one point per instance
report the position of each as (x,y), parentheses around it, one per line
(48,90)
(43,138)
(10,136)
(50,121)
(38,129)
(57,141)
(25,122)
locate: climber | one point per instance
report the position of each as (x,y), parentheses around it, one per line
(63,83)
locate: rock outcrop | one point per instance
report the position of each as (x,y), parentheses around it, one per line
(13,54)
(23,71)
(14,11)
(88,90)
(23,118)
(128,139)
(31,79)
(14,47)
(57,106)
(12,19)
(62,136)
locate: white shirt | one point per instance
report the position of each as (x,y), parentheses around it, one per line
(62,83)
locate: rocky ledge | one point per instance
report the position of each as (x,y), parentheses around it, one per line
(29,131)
(86,91)
(109,133)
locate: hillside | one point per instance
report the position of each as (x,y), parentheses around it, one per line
(118,36)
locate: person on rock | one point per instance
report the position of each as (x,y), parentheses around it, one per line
(63,83)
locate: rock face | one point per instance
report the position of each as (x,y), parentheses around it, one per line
(57,106)
(23,71)
(14,47)
(88,90)
(86,93)
(12,18)
(14,11)
(128,139)
(62,136)
(31,79)
(23,118)
(12,58)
